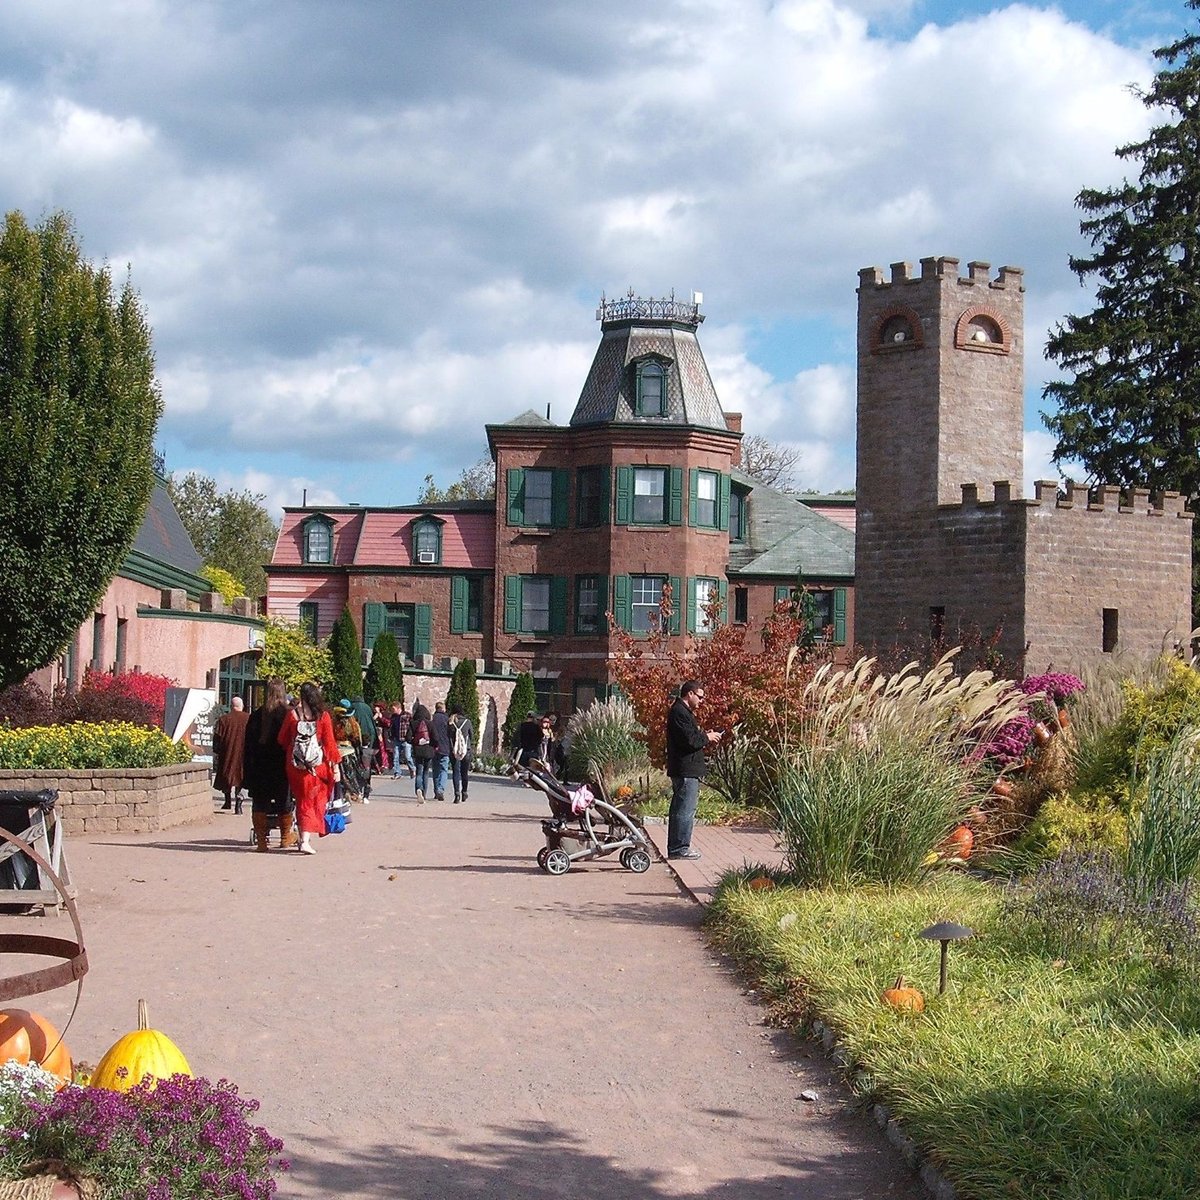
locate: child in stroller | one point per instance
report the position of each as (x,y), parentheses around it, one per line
(580,816)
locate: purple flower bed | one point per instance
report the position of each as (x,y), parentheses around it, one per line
(1009,746)
(1054,685)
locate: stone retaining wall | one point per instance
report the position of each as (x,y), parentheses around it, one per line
(142,800)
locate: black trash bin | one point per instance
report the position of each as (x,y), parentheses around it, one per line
(19,872)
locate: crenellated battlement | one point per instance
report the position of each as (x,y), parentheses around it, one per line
(1101,498)
(942,269)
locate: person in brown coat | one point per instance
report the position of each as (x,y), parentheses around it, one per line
(265,769)
(229,745)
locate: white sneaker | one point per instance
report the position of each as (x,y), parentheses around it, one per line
(305,848)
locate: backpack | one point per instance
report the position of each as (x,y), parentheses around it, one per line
(459,749)
(307,754)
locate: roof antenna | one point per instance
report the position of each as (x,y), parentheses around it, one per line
(547,412)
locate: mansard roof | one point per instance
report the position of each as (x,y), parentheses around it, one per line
(786,537)
(665,330)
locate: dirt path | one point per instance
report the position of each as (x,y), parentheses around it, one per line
(424,1014)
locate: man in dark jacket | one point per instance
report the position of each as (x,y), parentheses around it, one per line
(361,711)
(442,739)
(686,743)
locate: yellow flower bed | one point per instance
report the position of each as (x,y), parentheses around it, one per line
(111,745)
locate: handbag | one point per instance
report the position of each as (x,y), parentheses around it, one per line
(335,822)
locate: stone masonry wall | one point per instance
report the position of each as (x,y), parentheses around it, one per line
(122,801)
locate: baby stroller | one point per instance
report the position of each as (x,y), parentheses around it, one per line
(580,816)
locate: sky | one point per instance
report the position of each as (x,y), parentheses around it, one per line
(361,230)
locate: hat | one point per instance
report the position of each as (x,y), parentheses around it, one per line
(344,703)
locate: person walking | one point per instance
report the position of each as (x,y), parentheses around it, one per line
(529,738)
(550,748)
(424,750)
(366,746)
(401,746)
(686,743)
(311,759)
(229,743)
(264,769)
(383,740)
(462,751)
(441,762)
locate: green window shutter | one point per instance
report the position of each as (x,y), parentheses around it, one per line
(723,598)
(605,607)
(782,593)
(422,629)
(558,604)
(693,495)
(839,616)
(675,494)
(559,486)
(676,602)
(512,604)
(691,605)
(624,495)
(516,496)
(623,601)
(374,620)
(723,503)
(459,592)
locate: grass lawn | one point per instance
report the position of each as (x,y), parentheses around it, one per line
(1032,1077)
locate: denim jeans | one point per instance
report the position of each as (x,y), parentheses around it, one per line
(424,775)
(685,794)
(460,770)
(401,756)
(441,773)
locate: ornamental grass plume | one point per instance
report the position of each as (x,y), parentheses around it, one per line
(174,1139)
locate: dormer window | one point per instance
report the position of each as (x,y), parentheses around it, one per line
(318,540)
(651,389)
(427,542)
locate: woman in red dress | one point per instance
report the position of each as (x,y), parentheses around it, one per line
(310,785)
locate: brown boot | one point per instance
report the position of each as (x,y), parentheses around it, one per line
(262,826)
(287,830)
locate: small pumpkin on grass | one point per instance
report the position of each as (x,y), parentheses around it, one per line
(961,842)
(144,1052)
(27,1037)
(761,883)
(903,997)
(624,792)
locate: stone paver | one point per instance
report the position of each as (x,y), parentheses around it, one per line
(722,848)
(423,1013)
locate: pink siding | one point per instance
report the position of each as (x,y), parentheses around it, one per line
(843,514)
(286,592)
(468,540)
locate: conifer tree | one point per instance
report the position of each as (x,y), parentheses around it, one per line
(522,702)
(79,405)
(465,691)
(1130,412)
(347,660)
(384,680)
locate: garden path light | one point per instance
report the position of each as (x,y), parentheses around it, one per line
(945,932)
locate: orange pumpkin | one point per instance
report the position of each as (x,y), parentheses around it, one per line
(28,1037)
(961,842)
(903,998)
(761,883)
(624,792)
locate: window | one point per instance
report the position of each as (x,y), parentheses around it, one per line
(98,642)
(741,606)
(738,516)
(937,622)
(592,497)
(122,642)
(707,491)
(704,594)
(307,618)
(466,604)
(410,624)
(427,541)
(826,609)
(645,597)
(590,601)
(535,604)
(318,540)
(651,389)
(649,496)
(537,496)
(400,620)
(1110,631)
(585,693)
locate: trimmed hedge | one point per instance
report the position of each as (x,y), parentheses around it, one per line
(83,747)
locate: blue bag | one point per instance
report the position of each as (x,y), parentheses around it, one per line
(335,822)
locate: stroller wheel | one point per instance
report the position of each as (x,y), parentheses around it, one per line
(558,862)
(635,860)
(541,857)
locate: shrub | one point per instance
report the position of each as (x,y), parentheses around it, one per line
(134,699)
(347,677)
(1079,821)
(223,582)
(605,742)
(1164,833)
(24,704)
(384,680)
(180,1138)
(83,746)
(465,691)
(291,654)
(522,702)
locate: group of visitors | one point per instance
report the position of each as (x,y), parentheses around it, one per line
(538,737)
(442,746)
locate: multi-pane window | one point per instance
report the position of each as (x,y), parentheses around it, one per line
(474,604)
(586,692)
(737,516)
(707,485)
(821,613)
(398,621)
(427,542)
(318,542)
(308,618)
(645,597)
(593,496)
(539,497)
(706,595)
(649,496)
(535,604)
(588,604)
(651,389)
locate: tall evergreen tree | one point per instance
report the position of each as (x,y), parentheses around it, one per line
(347,681)
(384,680)
(1130,412)
(520,704)
(79,405)
(465,691)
